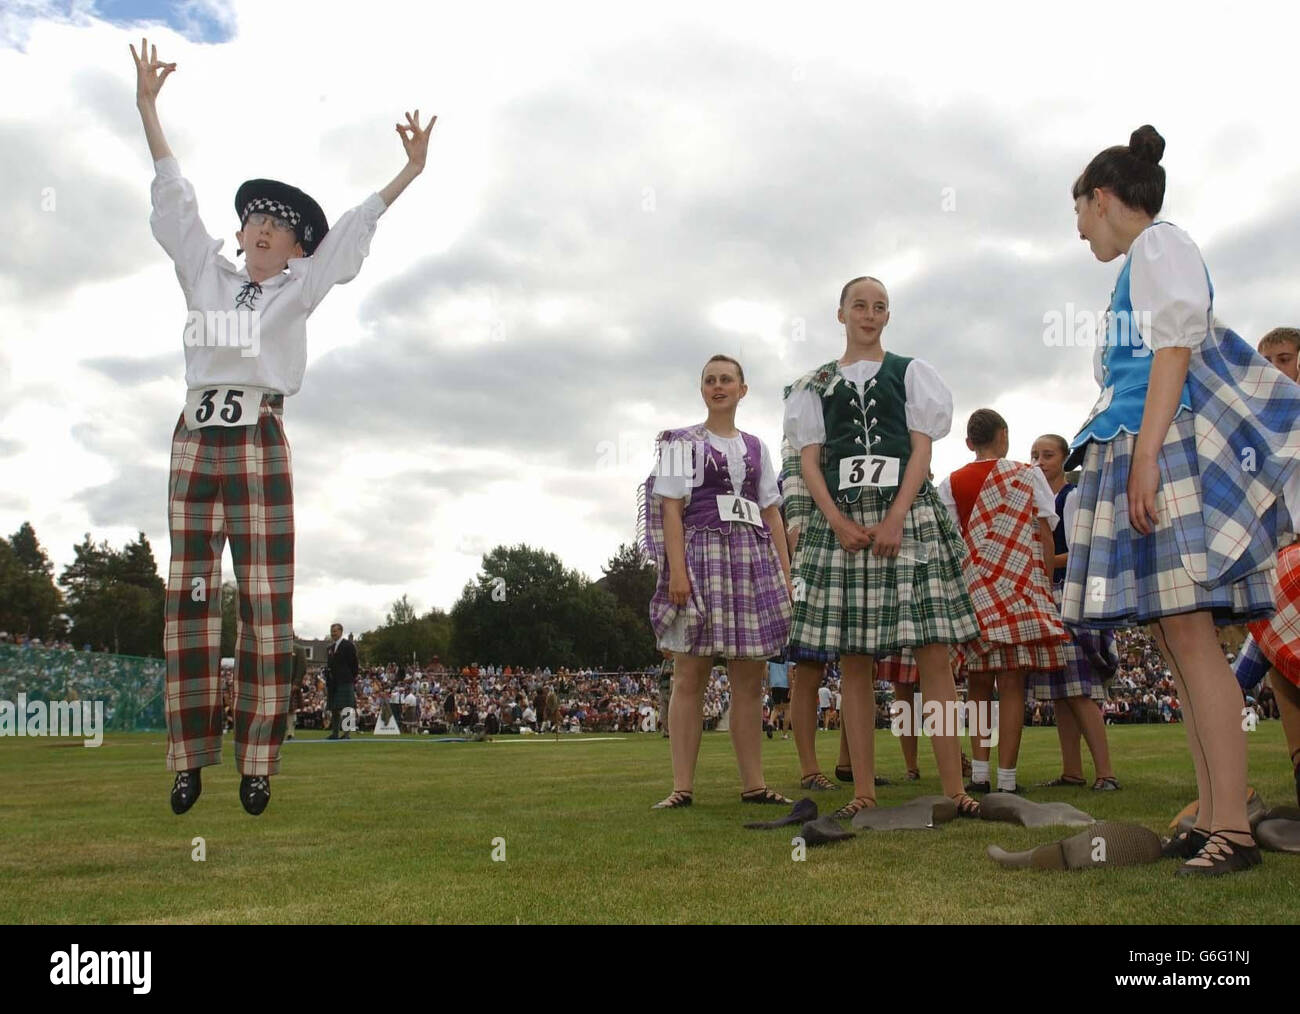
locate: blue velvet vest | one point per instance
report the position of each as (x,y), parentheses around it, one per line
(1126,364)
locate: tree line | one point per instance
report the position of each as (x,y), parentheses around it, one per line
(523,608)
(110,599)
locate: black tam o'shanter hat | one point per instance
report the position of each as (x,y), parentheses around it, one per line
(275,198)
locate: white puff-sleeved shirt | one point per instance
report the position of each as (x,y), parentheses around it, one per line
(929,403)
(672,485)
(1168,290)
(212,283)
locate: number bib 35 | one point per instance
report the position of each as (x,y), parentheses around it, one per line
(868,470)
(222,406)
(737,508)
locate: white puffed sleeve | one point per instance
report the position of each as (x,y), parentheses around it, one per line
(804,423)
(949,501)
(1070,508)
(673,475)
(769,494)
(929,402)
(1168,288)
(1044,498)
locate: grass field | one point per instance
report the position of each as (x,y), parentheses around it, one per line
(402,831)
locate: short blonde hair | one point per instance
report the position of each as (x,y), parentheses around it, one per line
(1280,336)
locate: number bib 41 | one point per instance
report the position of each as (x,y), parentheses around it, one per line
(868,470)
(222,406)
(737,508)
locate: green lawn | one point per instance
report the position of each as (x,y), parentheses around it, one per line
(402,831)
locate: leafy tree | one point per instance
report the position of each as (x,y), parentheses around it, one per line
(115,598)
(29,601)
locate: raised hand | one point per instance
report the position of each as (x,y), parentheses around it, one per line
(149,73)
(414,139)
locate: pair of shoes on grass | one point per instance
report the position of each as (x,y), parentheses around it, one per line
(679,798)
(254,791)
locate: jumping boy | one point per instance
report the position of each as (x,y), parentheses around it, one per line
(230,462)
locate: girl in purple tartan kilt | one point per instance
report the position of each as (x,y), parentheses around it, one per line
(1185,457)
(710,518)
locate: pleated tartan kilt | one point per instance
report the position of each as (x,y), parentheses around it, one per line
(1087,668)
(739,606)
(1116,577)
(900,668)
(863,604)
(1279,638)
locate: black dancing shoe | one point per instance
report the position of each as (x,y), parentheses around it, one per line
(1224,855)
(255,793)
(978,787)
(186,789)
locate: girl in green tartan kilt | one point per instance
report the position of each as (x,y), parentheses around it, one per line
(878,566)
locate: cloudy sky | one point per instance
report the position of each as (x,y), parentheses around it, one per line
(614,193)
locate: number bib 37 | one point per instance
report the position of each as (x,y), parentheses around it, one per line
(868,470)
(222,406)
(737,508)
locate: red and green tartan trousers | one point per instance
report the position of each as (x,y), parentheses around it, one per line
(231,483)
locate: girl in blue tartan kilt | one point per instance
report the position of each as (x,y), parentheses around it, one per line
(879,564)
(1185,457)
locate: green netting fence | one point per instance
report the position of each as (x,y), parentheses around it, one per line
(130,687)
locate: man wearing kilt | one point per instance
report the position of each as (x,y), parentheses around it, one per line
(230,460)
(880,561)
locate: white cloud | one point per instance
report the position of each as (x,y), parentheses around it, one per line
(609,200)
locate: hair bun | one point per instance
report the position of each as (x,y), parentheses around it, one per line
(1146,145)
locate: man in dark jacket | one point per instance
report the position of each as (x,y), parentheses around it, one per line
(341,670)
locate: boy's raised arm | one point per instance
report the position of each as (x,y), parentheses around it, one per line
(417,150)
(149,77)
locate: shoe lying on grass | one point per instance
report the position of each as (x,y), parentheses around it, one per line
(1015,809)
(823,831)
(1105,843)
(802,812)
(1279,830)
(921,813)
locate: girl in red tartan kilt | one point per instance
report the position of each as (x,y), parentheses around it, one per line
(231,475)
(1006,513)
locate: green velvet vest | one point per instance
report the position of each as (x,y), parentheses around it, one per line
(874,422)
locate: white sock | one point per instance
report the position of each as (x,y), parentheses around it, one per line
(1006,778)
(979,771)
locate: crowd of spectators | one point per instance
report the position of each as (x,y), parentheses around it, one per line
(504,699)
(131,688)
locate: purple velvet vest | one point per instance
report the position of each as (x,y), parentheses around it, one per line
(702,511)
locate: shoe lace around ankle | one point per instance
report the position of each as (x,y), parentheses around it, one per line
(259,784)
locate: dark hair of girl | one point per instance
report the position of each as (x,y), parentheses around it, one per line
(984,426)
(1131,171)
